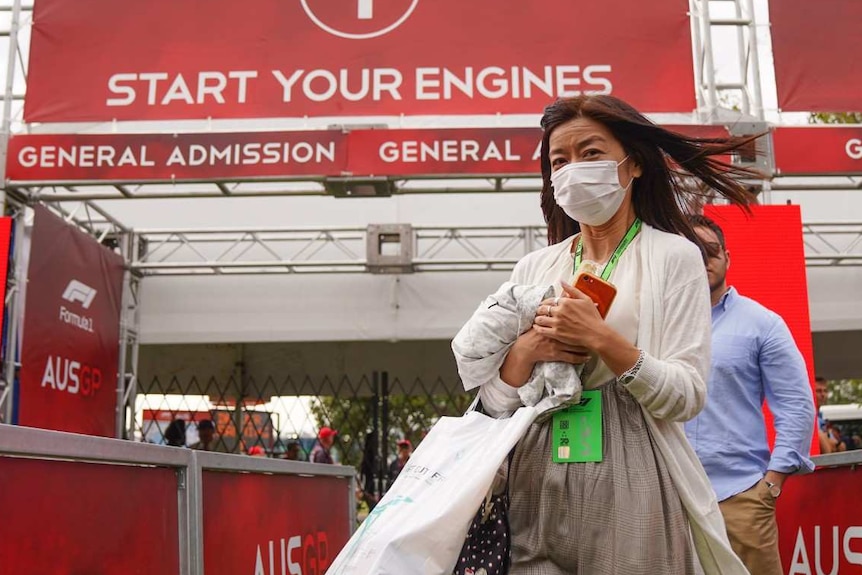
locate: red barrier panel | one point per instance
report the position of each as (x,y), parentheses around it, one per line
(816,46)
(820,523)
(70,354)
(208,156)
(162,59)
(768,265)
(818,150)
(273,524)
(62,518)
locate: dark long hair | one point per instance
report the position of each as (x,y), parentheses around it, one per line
(664,156)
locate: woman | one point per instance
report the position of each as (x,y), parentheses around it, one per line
(647,506)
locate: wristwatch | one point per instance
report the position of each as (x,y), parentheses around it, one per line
(773,488)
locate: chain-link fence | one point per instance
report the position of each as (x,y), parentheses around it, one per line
(370,413)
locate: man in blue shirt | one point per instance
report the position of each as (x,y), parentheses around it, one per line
(754,358)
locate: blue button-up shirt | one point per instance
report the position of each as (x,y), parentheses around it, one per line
(753,357)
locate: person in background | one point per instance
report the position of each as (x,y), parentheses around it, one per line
(206,436)
(257,451)
(325,440)
(611,199)
(405,448)
(175,434)
(821,395)
(754,357)
(837,441)
(828,436)
(292,452)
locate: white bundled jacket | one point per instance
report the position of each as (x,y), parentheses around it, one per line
(481,346)
(674,330)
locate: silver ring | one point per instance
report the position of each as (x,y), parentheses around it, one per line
(557,300)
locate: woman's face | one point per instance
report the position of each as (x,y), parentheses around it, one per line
(585,140)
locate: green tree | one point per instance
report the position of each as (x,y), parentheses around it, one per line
(845,391)
(837,118)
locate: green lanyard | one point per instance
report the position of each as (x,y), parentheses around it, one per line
(615,258)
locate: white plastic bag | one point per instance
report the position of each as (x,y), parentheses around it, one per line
(420,525)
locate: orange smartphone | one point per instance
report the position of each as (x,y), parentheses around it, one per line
(598,290)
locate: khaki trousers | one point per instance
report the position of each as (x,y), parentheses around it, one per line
(752,529)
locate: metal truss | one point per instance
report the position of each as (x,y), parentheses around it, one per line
(16,282)
(225,251)
(14,14)
(719,94)
(130,320)
(79,202)
(91,219)
(327,250)
(836,244)
(262,187)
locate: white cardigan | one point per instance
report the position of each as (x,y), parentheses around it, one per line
(674,330)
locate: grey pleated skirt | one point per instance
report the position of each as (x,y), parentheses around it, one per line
(621,516)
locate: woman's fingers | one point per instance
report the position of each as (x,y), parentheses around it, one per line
(572,292)
(572,357)
(548,304)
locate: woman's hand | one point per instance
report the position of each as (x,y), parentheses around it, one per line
(531,348)
(575,321)
(537,347)
(571,319)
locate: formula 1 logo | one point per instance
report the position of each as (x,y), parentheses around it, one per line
(79,292)
(358,19)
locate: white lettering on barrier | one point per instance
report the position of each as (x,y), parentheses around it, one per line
(312,552)
(854,148)
(448,151)
(71,376)
(801,565)
(853,557)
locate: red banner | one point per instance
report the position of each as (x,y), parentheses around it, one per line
(820,523)
(766,279)
(166,157)
(310,528)
(68,376)
(64,517)
(5,239)
(215,156)
(438,152)
(99,60)
(838,150)
(816,46)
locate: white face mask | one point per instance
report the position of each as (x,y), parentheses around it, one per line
(589,192)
